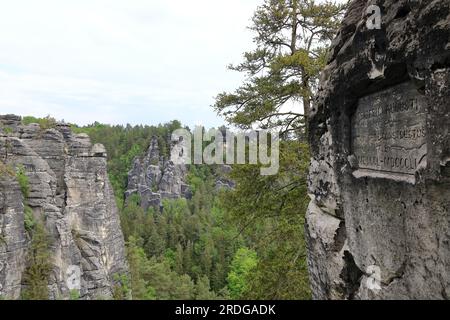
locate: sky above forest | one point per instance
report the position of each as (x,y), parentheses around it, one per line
(118,62)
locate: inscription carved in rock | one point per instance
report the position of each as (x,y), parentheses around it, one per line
(389,131)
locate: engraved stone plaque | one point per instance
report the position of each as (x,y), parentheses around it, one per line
(389,132)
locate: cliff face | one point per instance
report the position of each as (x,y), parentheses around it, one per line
(153,178)
(378,225)
(70,192)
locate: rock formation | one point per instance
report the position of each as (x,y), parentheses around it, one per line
(70,192)
(153,177)
(378,225)
(222,177)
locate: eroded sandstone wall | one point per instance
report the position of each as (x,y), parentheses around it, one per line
(70,192)
(153,178)
(378,225)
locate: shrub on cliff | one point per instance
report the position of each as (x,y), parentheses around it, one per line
(37,272)
(45,123)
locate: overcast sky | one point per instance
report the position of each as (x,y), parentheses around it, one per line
(134,61)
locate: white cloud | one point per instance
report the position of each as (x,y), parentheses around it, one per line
(114,61)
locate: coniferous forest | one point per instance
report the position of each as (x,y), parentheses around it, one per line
(220,243)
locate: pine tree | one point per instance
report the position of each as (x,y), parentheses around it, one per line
(184,288)
(179,265)
(137,262)
(270,211)
(291,37)
(281,77)
(203,290)
(37,272)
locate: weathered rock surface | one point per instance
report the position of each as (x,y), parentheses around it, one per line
(378,225)
(70,192)
(222,177)
(13,242)
(153,178)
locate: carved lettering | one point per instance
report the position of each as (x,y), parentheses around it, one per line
(389,131)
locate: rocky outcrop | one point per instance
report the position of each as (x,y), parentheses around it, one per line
(153,177)
(378,226)
(70,192)
(222,179)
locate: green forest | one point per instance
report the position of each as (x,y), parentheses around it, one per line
(220,244)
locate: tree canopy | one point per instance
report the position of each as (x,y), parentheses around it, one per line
(291,39)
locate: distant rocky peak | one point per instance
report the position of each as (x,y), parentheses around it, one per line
(153,152)
(154,177)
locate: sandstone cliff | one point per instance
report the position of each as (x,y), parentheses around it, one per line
(70,192)
(153,177)
(378,224)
